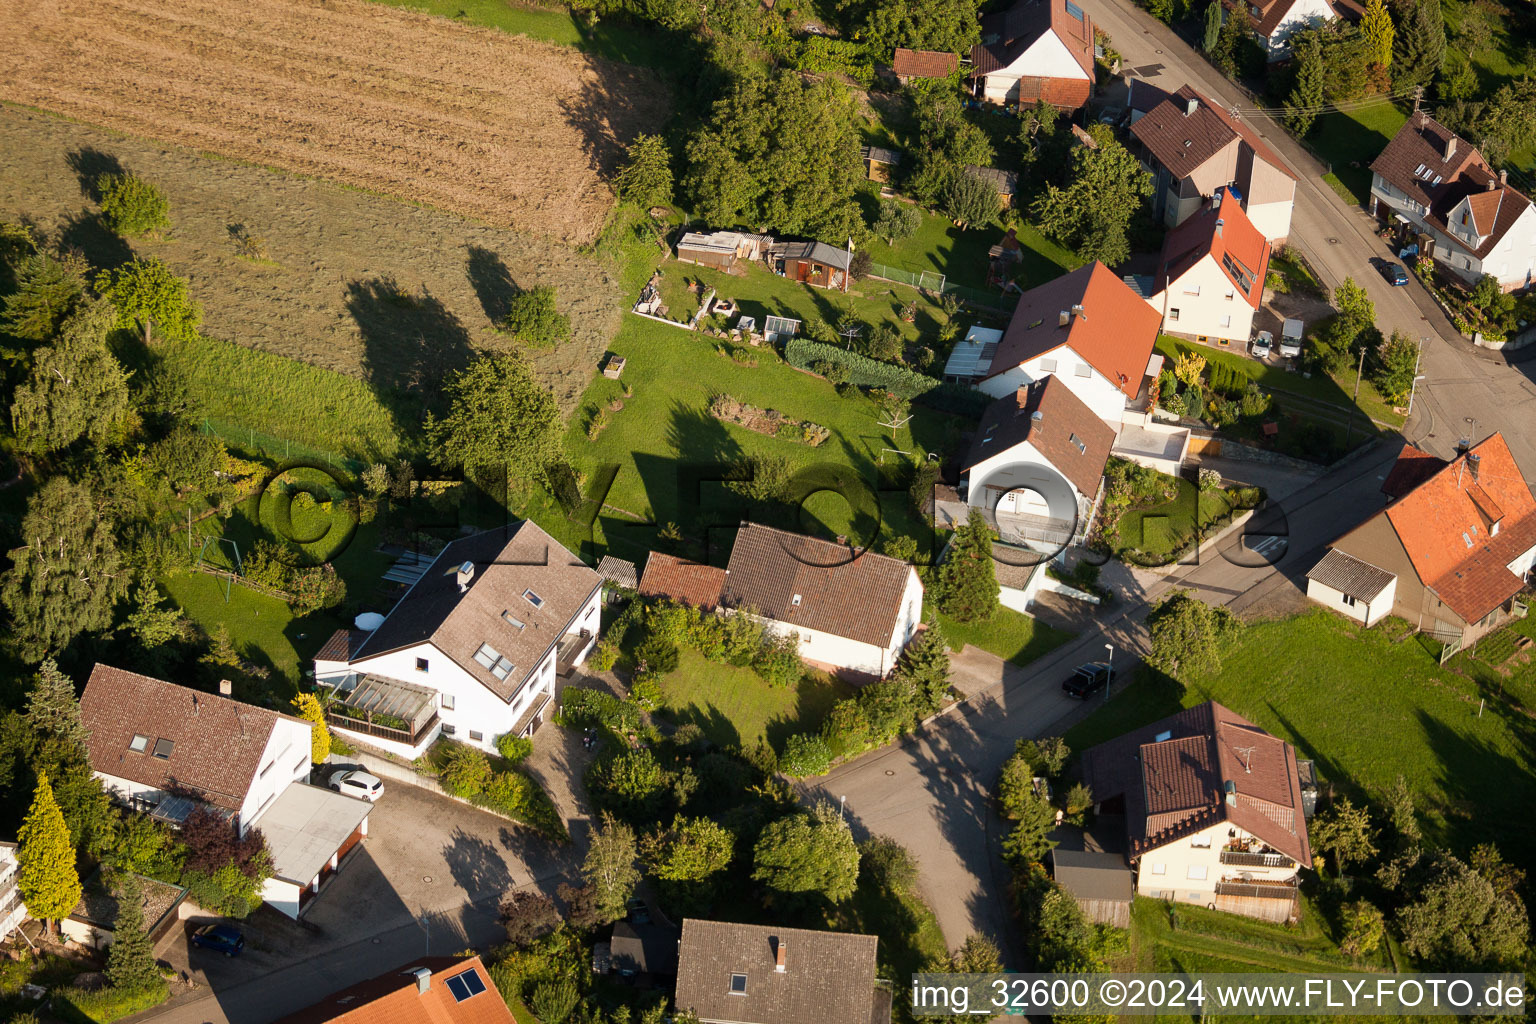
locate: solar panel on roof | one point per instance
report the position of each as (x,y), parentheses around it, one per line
(465,985)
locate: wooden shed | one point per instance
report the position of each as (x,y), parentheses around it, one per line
(721,249)
(878,162)
(1006,182)
(814,263)
(1100,882)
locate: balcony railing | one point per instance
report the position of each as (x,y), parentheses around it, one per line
(1258,890)
(1240,859)
(383,732)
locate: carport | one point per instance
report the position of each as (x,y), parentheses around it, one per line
(308,831)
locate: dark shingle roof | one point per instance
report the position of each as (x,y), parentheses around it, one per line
(218,742)
(816,584)
(1010,421)
(1175,786)
(506,564)
(644,948)
(821,252)
(1092,876)
(1425,158)
(1182,141)
(828,977)
(1350,575)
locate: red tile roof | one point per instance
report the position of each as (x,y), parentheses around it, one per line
(1224,233)
(1447,527)
(1173,776)
(1115,334)
(1413,467)
(923,63)
(1011,421)
(675,579)
(392,998)
(217,741)
(803,581)
(1006,35)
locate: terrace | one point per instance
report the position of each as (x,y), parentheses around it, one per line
(387,709)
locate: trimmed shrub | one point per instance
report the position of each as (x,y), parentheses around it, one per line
(871,373)
(513,748)
(465,771)
(805,754)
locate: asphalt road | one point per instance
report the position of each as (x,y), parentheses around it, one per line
(1467,391)
(931,791)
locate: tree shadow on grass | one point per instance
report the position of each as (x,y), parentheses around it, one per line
(492,282)
(86,233)
(411,343)
(89,164)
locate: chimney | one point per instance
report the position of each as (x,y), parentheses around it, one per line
(1503,178)
(226,688)
(1077,311)
(1491,184)
(1450,147)
(778,955)
(1474,463)
(1463,446)
(1063,318)
(1231,790)
(1216,200)
(466,573)
(1191,105)
(1036,416)
(423,978)
(1219,223)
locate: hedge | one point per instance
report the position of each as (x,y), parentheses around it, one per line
(106,1005)
(803,354)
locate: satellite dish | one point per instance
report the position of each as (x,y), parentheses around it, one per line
(368,621)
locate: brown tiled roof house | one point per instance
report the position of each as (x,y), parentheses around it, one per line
(1047,416)
(1035,50)
(759,974)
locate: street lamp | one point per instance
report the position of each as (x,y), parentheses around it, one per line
(842,806)
(1416,375)
(1111,677)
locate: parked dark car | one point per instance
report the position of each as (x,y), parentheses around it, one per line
(220,938)
(1087,679)
(1395,274)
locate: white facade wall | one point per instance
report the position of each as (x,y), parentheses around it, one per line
(127,790)
(12,910)
(1022,453)
(1187,870)
(855,655)
(1365,612)
(1204,302)
(1512,261)
(285,760)
(1272,219)
(1081,378)
(282,896)
(1020,598)
(1524,563)
(1047,58)
(1303,14)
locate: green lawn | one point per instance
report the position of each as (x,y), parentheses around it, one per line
(1366,708)
(961,253)
(1012,636)
(1296,276)
(670,453)
(1350,140)
(1156,534)
(735,707)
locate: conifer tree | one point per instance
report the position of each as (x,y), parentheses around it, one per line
(1418,47)
(967,580)
(52,705)
(131,957)
(47,879)
(1377,28)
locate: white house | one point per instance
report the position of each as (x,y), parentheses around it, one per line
(1210,276)
(1275,21)
(1213,808)
(850,611)
(1436,189)
(1035,50)
(472,650)
(12,911)
(168,750)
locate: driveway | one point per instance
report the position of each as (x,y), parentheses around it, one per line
(428,878)
(1468,391)
(931,790)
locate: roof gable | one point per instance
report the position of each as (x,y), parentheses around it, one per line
(1056,423)
(525,588)
(1187,130)
(1008,35)
(816,584)
(1223,232)
(216,743)
(1114,334)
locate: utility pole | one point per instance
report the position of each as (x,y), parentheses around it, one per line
(1350,428)
(1414,386)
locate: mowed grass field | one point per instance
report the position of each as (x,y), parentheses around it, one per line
(507,129)
(735,707)
(1367,705)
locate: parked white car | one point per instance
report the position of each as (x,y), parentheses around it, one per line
(351,782)
(1261,344)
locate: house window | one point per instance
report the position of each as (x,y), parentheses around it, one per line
(163,748)
(1197,872)
(1226,321)
(1083,370)
(139,743)
(447,699)
(263,773)
(1047,366)
(1201,842)
(1173,314)
(476,737)
(738,984)
(449,730)
(1078,444)
(1191,291)
(1159,869)
(421,664)
(1231,294)
(465,985)
(1347,600)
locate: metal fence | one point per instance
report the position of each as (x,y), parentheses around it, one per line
(258,443)
(928,280)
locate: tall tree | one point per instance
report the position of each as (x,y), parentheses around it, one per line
(966,583)
(68,575)
(970,199)
(534,319)
(52,706)
(1306,99)
(1376,26)
(307,706)
(610,867)
(47,291)
(691,850)
(131,957)
(1030,839)
(1187,633)
(948,25)
(1092,213)
(808,854)
(1345,831)
(76,388)
(1212,27)
(924,663)
(1418,47)
(1396,360)
(499,415)
(45,858)
(942,144)
(646,178)
(151,299)
(1459,921)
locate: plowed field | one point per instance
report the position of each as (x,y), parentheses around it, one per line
(498,127)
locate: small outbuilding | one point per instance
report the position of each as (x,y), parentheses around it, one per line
(93,922)
(910,64)
(878,162)
(721,249)
(1100,882)
(645,952)
(814,263)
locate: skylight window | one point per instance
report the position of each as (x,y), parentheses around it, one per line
(465,985)
(533,599)
(1078,444)
(163,748)
(1419,171)
(512,620)
(488,658)
(738,984)
(1467,540)
(139,743)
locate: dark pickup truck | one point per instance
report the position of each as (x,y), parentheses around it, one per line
(1086,679)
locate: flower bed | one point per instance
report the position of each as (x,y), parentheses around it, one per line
(767,421)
